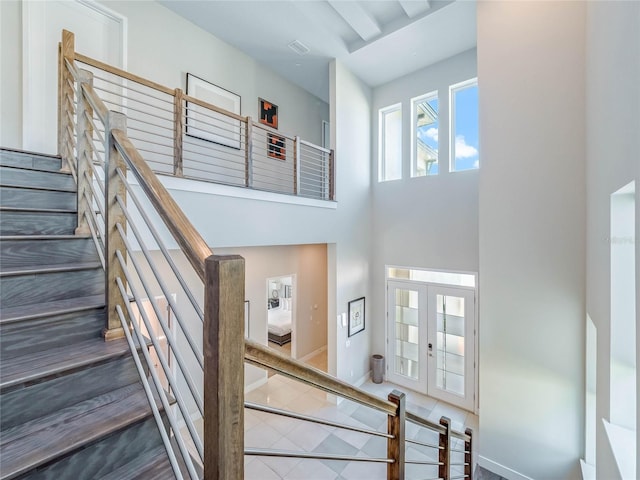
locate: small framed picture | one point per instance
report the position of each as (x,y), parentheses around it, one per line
(356,316)
(276,147)
(268,113)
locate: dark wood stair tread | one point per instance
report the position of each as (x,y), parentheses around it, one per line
(28,153)
(153,464)
(55,361)
(57,307)
(37,210)
(42,440)
(31,270)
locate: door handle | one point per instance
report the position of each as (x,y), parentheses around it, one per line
(430,346)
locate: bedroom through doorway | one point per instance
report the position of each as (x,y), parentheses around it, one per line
(281,314)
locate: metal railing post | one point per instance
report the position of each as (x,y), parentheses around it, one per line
(396,446)
(444,458)
(114,215)
(248,151)
(332,176)
(178,128)
(84,154)
(66,51)
(223,345)
(296,166)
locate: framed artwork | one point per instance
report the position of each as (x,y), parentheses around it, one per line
(210,125)
(268,113)
(356,316)
(276,146)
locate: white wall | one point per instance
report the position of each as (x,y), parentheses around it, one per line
(309,264)
(531,70)
(613,143)
(163,47)
(429,222)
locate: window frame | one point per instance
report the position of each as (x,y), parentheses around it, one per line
(452,122)
(434,94)
(382,113)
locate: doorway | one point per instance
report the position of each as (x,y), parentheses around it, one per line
(281,316)
(431,339)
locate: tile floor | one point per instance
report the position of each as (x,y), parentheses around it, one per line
(269,431)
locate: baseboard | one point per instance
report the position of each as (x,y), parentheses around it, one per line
(363,379)
(256,384)
(313,354)
(501,470)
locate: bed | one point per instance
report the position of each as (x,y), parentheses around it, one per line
(279,323)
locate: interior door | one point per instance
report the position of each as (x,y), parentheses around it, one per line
(407,335)
(451,351)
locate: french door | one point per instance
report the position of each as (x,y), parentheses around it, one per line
(431,340)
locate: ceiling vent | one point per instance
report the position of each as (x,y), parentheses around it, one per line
(299,47)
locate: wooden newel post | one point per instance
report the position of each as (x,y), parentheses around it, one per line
(468,454)
(84,155)
(223,343)
(66,50)
(395,446)
(444,458)
(248,151)
(178,124)
(114,215)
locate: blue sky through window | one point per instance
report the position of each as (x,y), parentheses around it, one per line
(428,134)
(466,128)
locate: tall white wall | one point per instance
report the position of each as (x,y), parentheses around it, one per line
(429,222)
(163,47)
(531,70)
(613,143)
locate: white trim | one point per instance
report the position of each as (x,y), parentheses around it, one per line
(197,186)
(414,130)
(309,356)
(363,379)
(256,384)
(501,470)
(452,119)
(382,126)
(588,471)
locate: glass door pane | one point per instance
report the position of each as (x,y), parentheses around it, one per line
(451,345)
(407,335)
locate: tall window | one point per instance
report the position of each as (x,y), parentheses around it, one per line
(424,151)
(464,126)
(390,148)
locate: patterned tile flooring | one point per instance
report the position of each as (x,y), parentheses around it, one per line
(263,430)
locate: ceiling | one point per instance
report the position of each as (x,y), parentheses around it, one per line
(378,40)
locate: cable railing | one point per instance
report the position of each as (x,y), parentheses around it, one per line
(182,310)
(183,136)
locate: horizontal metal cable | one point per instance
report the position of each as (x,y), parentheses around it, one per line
(165,329)
(457,478)
(263,180)
(128,87)
(236,167)
(214,130)
(309,174)
(161,245)
(132,99)
(170,155)
(298,416)
(170,137)
(94,128)
(318,456)
(93,192)
(218,148)
(273,169)
(149,394)
(315,147)
(198,110)
(258,127)
(459,451)
(131,137)
(431,445)
(135,119)
(210,172)
(313,155)
(141,121)
(423,462)
(458,464)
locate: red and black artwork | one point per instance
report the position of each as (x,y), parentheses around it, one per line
(268,113)
(276,147)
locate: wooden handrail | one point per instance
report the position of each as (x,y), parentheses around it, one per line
(122,73)
(209,106)
(192,244)
(259,355)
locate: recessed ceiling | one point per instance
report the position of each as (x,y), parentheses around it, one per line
(378,40)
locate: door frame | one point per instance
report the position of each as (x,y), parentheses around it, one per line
(33,33)
(475,289)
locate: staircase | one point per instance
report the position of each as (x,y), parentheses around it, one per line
(71,405)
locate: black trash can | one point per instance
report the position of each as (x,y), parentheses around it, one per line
(377,367)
